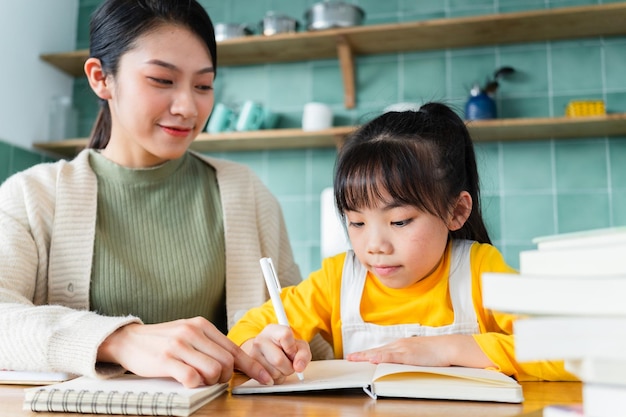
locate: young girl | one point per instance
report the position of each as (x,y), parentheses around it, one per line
(137,254)
(406,185)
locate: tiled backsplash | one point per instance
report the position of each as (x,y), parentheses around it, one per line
(530,188)
(14,159)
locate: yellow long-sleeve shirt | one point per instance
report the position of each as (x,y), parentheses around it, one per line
(313,306)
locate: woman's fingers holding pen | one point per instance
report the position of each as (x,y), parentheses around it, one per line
(213,348)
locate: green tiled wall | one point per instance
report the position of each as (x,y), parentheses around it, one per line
(14,159)
(529,188)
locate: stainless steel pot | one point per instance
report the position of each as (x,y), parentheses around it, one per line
(225,31)
(332,14)
(274,23)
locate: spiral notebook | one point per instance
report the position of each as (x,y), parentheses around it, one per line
(126,394)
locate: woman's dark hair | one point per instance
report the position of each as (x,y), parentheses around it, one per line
(116,25)
(419,158)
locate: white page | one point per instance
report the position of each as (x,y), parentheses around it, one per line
(318,375)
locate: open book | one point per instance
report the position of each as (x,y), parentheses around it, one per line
(395,380)
(126,394)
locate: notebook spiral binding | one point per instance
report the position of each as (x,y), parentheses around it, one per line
(93,405)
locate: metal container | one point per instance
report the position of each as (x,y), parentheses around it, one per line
(225,31)
(333,14)
(274,23)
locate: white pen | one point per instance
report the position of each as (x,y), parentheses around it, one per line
(273,287)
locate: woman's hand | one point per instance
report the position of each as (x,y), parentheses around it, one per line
(448,350)
(192,351)
(279,351)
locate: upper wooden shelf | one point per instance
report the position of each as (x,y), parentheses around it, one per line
(344,43)
(493,29)
(481,131)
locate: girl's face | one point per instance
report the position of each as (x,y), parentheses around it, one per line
(160,98)
(400,245)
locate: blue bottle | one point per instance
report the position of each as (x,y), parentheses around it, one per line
(480,105)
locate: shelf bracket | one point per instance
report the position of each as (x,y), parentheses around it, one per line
(346,62)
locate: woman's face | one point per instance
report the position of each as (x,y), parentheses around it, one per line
(160,98)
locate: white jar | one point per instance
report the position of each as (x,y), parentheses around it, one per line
(317,116)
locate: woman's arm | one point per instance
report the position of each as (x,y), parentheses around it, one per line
(192,351)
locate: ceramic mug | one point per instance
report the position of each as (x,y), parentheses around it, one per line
(316,116)
(221,119)
(270,119)
(250,117)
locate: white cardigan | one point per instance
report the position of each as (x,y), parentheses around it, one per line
(47,231)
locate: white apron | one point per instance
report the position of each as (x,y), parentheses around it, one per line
(359,335)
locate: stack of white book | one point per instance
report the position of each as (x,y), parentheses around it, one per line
(572,290)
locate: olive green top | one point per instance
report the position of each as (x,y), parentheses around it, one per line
(159,251)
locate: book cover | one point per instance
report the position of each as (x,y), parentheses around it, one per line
(396,380)
(577,261)
(583,239)
(554,295)
(599,370)
(570,337)
(564,410)
(126,394)
(601,400)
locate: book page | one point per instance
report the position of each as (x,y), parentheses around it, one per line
(319,375)
(450,383)
(386,371)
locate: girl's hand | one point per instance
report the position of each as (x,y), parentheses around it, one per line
(192,351)
(448,350)
(279,351)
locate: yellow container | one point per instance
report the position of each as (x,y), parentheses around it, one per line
(577,108)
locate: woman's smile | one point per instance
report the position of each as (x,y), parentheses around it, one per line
(177,131)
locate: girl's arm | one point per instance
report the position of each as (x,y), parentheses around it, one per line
(446,350)
(281,349)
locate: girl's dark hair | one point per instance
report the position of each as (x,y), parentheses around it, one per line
(115,27)
(423,159)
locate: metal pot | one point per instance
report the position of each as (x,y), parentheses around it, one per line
(225,31)
(332,14)
(274,23)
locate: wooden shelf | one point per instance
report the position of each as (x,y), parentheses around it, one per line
(231,141)
(481,131)
(548,128)
(344,43)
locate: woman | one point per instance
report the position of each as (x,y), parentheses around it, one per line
(138,254)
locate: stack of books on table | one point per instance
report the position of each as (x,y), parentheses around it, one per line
(571,291)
